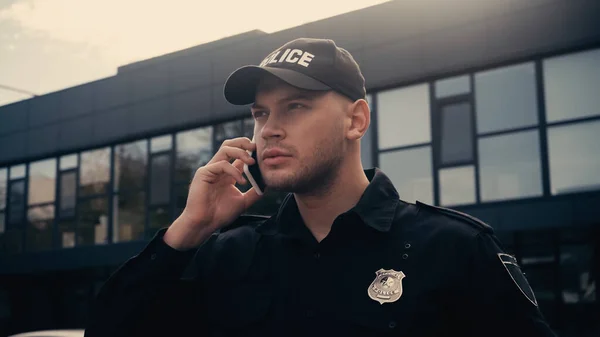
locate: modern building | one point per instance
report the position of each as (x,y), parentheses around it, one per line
(487,107)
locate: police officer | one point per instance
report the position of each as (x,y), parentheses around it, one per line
(343,256)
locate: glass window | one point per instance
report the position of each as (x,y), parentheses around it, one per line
(571,85)
(509,166)
(403,116)
(577,274)
(159,218)
(248,127)
(17,171)
(17,202)
(130,165)
(160,181)
(39,231)
(68,162)
(366,149)
(194,149)
(574,157)
(66,229)
(3,186)
(93,221)
(456,139)
(410,172)
(67,194)
(42,182)
(161,143)
(452,86)
(457,186)
(2,224)
(506,98)
(128,217)
(94,172)
(226,131)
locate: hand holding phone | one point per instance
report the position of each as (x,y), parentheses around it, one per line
(253,174)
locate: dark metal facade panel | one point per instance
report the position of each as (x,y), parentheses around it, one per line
(190,71)
(44,109)
(42,140)
(150,82)
(111,125)
(221,109)
(192,106)
(13,117)
(76,133)
(150,115)
(76,101)
(111,92)
(393,62)
(391,21)
(13,146)
(228,59)
(346,30)
(275,40)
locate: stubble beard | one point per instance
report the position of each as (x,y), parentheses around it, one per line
(315,174)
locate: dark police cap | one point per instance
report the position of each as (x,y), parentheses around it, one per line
(306,63)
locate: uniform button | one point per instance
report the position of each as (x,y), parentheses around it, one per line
(407,245)
(153,256)
(405,256)
(310,313)
(317,255)
(392,325)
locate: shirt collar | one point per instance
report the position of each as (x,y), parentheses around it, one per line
(376,208)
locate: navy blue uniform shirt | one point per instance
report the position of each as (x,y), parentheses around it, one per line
(387,268)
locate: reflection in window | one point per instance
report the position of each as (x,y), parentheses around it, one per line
(128,217)
(574,157)
(248,125)
(159,218)
(456,143)
(42,182)
(452,86)
(571,85)
(17,171)
(457,186)
(395,108)
(410,172)
(160,180)
(161,143)
(39,229)
(3,187)
(94,172)
(67,194)
(66,232)
(226,131)
(17,202)
(68,162)
(194,149)
(93,221)
(509,166)
(577,268)
(130,165)
(506,98)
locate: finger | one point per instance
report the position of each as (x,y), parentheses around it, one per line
(251,197)
(228,153)
(238,164)
(240,142)
(225,168)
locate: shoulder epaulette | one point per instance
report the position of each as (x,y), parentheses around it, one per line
(245,219)
(473,221)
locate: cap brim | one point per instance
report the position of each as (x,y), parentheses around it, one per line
(240,87)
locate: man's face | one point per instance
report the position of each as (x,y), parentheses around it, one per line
(300,136)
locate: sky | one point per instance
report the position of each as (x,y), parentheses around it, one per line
(48,45)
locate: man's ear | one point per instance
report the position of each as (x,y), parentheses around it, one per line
(360,119)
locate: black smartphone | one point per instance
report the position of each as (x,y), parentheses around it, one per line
(253,174)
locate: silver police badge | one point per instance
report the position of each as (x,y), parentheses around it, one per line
(387,286)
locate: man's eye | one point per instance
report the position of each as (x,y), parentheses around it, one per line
(259,114)
(293,106)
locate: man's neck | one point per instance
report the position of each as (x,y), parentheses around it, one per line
(319,211)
